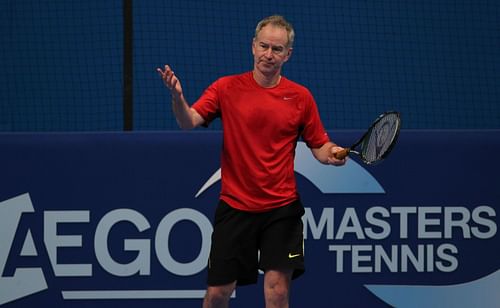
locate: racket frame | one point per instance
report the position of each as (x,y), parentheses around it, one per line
(352,149)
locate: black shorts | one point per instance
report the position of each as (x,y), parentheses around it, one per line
(244,242)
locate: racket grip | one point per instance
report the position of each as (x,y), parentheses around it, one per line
(342,154)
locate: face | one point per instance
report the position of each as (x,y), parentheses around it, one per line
(270,50)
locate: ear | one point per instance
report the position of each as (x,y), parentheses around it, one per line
(288,55)
(253,46)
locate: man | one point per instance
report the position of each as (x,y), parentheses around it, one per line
(258,220)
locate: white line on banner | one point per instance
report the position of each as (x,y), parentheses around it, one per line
(135,294)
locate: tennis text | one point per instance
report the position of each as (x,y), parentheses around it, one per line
(439,228)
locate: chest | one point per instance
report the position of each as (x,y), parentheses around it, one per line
(278,112)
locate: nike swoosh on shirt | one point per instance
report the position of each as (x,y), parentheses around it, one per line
(291,256)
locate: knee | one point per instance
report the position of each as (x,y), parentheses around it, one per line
(277,294)
(277,287)
(217,296)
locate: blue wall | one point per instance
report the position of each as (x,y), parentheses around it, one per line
(435,61)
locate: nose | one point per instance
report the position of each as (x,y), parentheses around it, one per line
(268,53)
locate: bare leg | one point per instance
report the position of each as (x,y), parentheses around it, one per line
(218,296)
(277,288)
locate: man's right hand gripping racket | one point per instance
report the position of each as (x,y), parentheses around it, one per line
(378,141)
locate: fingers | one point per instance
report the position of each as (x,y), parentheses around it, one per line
(337,162)
(168,77)
(166,73)
(333,160)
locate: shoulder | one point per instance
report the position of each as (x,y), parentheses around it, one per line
(296,86)
(298,89)
(236,78)
(233,82)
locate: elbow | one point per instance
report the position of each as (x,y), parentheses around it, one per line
(189,120)
(186,125)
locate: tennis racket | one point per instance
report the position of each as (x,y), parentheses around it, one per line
(378,141)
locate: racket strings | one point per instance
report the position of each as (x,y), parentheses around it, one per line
(381,137)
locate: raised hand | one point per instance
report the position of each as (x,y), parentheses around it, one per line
(171,81)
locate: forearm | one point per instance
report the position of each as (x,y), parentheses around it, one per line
(182,111)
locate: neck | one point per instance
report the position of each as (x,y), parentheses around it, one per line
(266,81)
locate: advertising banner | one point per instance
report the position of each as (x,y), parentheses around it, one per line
(100,219)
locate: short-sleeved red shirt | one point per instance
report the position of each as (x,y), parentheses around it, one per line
(261,127)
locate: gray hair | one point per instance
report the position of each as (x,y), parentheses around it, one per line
(277,21)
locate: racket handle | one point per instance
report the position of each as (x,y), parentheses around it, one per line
(342,154)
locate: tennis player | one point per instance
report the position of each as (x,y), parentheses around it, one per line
(258,221)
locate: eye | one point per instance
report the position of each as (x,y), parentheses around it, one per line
(278,49)
(263,46)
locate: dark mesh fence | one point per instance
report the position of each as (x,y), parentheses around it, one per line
(437,62)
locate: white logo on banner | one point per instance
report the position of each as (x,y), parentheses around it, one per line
(25,281)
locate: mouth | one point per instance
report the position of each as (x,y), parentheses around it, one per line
(266,63)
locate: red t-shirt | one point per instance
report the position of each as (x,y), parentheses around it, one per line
(261,127)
